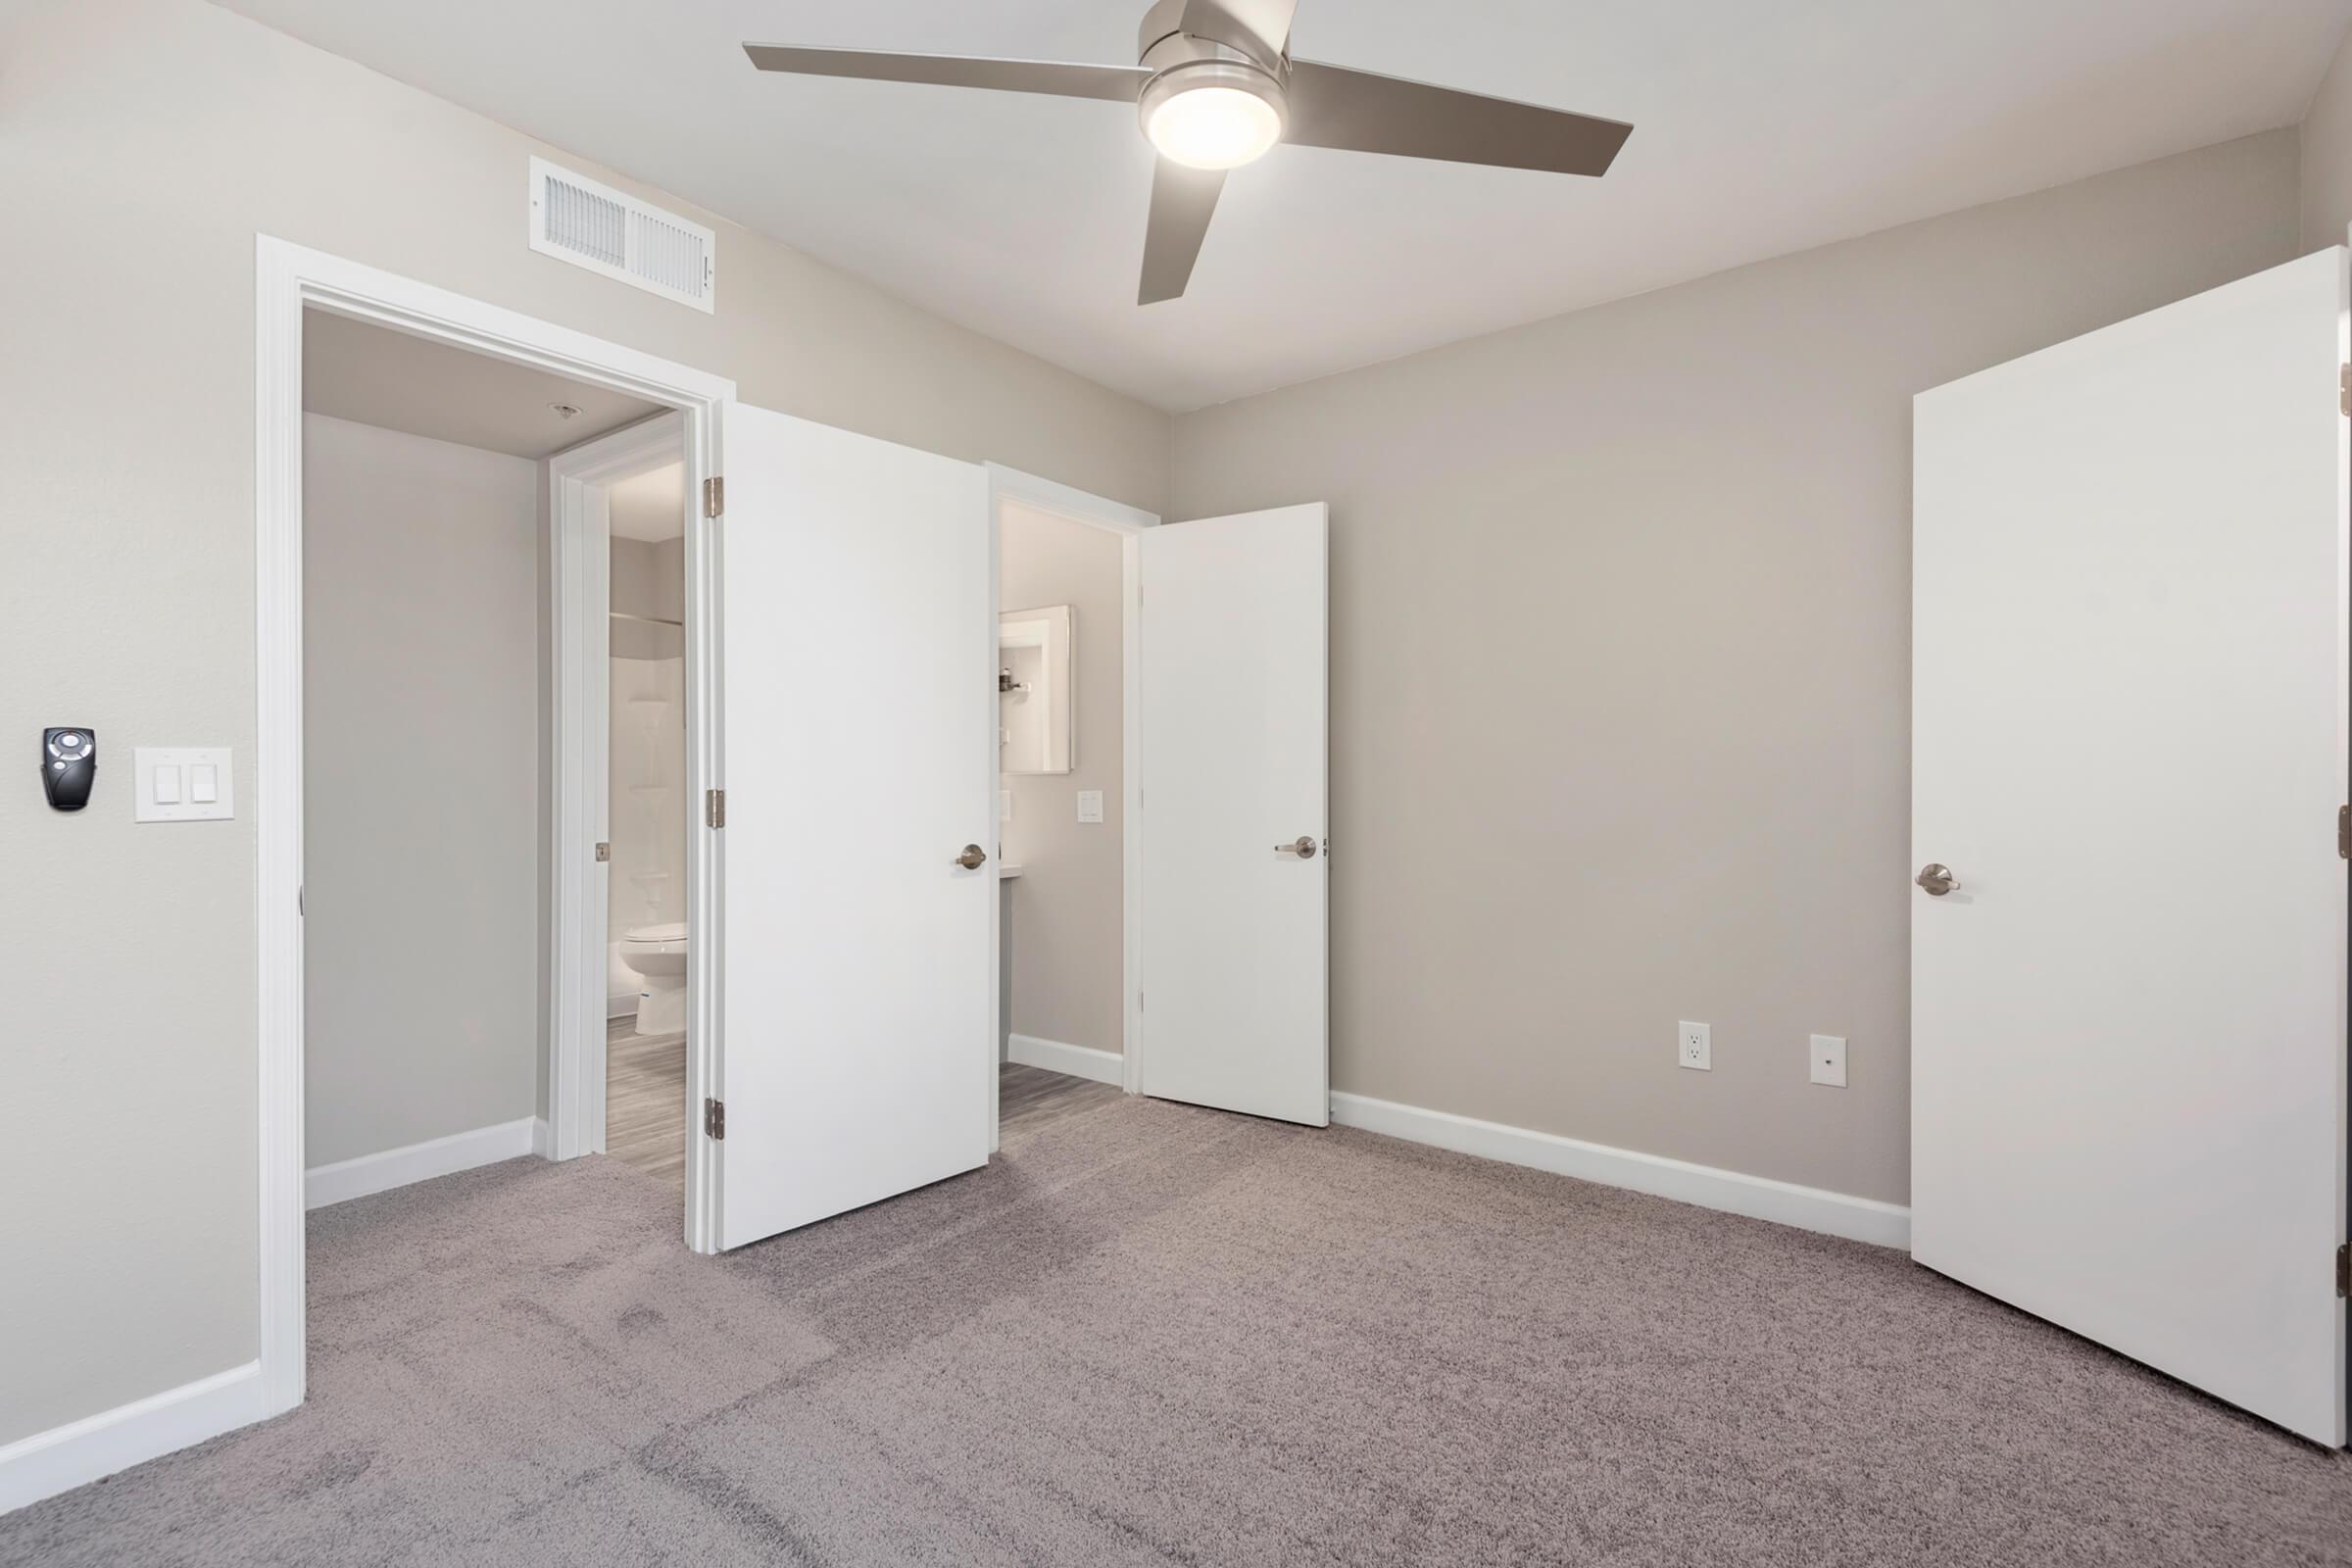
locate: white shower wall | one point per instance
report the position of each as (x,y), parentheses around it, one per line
(646,813)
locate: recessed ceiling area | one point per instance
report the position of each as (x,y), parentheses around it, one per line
(1760,129)
(374,376)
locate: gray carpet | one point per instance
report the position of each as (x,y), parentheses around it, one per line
(1153,1334)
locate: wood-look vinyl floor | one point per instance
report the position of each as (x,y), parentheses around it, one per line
(645,1100)
(1030,1097)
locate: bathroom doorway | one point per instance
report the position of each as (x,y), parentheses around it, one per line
(618,512)
(1070,823)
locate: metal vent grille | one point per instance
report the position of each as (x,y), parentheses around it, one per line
(578,220)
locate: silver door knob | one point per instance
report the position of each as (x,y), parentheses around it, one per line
(1936,879)
(974,857)
(1302,846)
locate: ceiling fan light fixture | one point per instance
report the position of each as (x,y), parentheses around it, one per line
(1214,113)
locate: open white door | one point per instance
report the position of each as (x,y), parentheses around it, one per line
(2130,702)
(857,983)
(1236,898)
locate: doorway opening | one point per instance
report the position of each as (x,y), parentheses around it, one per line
(617,519)
(301,296)
(1069,795)
(425,799)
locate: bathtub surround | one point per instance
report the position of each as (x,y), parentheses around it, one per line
(421,784)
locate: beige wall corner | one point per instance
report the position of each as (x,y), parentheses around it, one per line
(1621,664)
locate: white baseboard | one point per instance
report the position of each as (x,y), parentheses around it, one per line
(543,1138)
(620,1006)
(1813,1208)
(322,1185)
(97,1445)
(1079,1061)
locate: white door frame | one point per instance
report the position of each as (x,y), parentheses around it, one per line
(579,664)
(1128,523)
(287,280)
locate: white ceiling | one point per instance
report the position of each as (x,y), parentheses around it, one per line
(650,505)
(374,376)
(1760,129)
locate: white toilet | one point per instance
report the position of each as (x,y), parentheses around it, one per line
(657,956)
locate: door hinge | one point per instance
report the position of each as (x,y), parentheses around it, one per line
(714,1119)
(2343,832)
(714,808)
(2343,389)
(714,496)
(2343,1270)
(604,851)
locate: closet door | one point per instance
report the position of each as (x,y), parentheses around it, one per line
(857,975)
(2128,759)
(1237,868)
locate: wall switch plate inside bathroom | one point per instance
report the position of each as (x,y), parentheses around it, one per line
(1089,805)
(1694,1046)
(181,784)
(1004,805)
(1828,1056)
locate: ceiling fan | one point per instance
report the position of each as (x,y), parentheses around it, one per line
(1217,89)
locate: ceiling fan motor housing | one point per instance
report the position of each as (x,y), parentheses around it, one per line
(1182,62)
(1162,44)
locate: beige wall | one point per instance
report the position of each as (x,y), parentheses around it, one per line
(143,143)
(2327,156)
(1621,664)
(421,789)
(1065,912)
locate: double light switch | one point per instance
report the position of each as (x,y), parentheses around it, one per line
(181,783)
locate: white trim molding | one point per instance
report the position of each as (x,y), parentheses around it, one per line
(1079,1061)
(322,1185)
(579,659)
(1812,1209)
(98,1446)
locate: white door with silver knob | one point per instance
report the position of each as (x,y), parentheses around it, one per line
(857,1023)
(1235,945)
(2128,935)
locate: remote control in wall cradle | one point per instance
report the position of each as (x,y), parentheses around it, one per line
(68,765)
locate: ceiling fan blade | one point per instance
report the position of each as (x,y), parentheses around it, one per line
(1331,105)
(1240,23)
(1182,200)
(1117,83)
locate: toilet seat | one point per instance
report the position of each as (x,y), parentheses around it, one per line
(655,935)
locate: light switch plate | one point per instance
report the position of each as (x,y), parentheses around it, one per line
(1695,1047)
(186,770)
(1089,805)
(1828,1056)
(1004,805)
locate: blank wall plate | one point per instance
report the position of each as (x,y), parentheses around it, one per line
(181,784)
(1695,1047)
(1828,1056)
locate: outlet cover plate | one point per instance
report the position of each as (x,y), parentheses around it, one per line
(1695,1047)
(1089,805)
(1828,1056)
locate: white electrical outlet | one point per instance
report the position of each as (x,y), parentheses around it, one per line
(1089,805)
(1828,1056)
(1694,1046)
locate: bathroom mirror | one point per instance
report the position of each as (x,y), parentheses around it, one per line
(1033,690)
